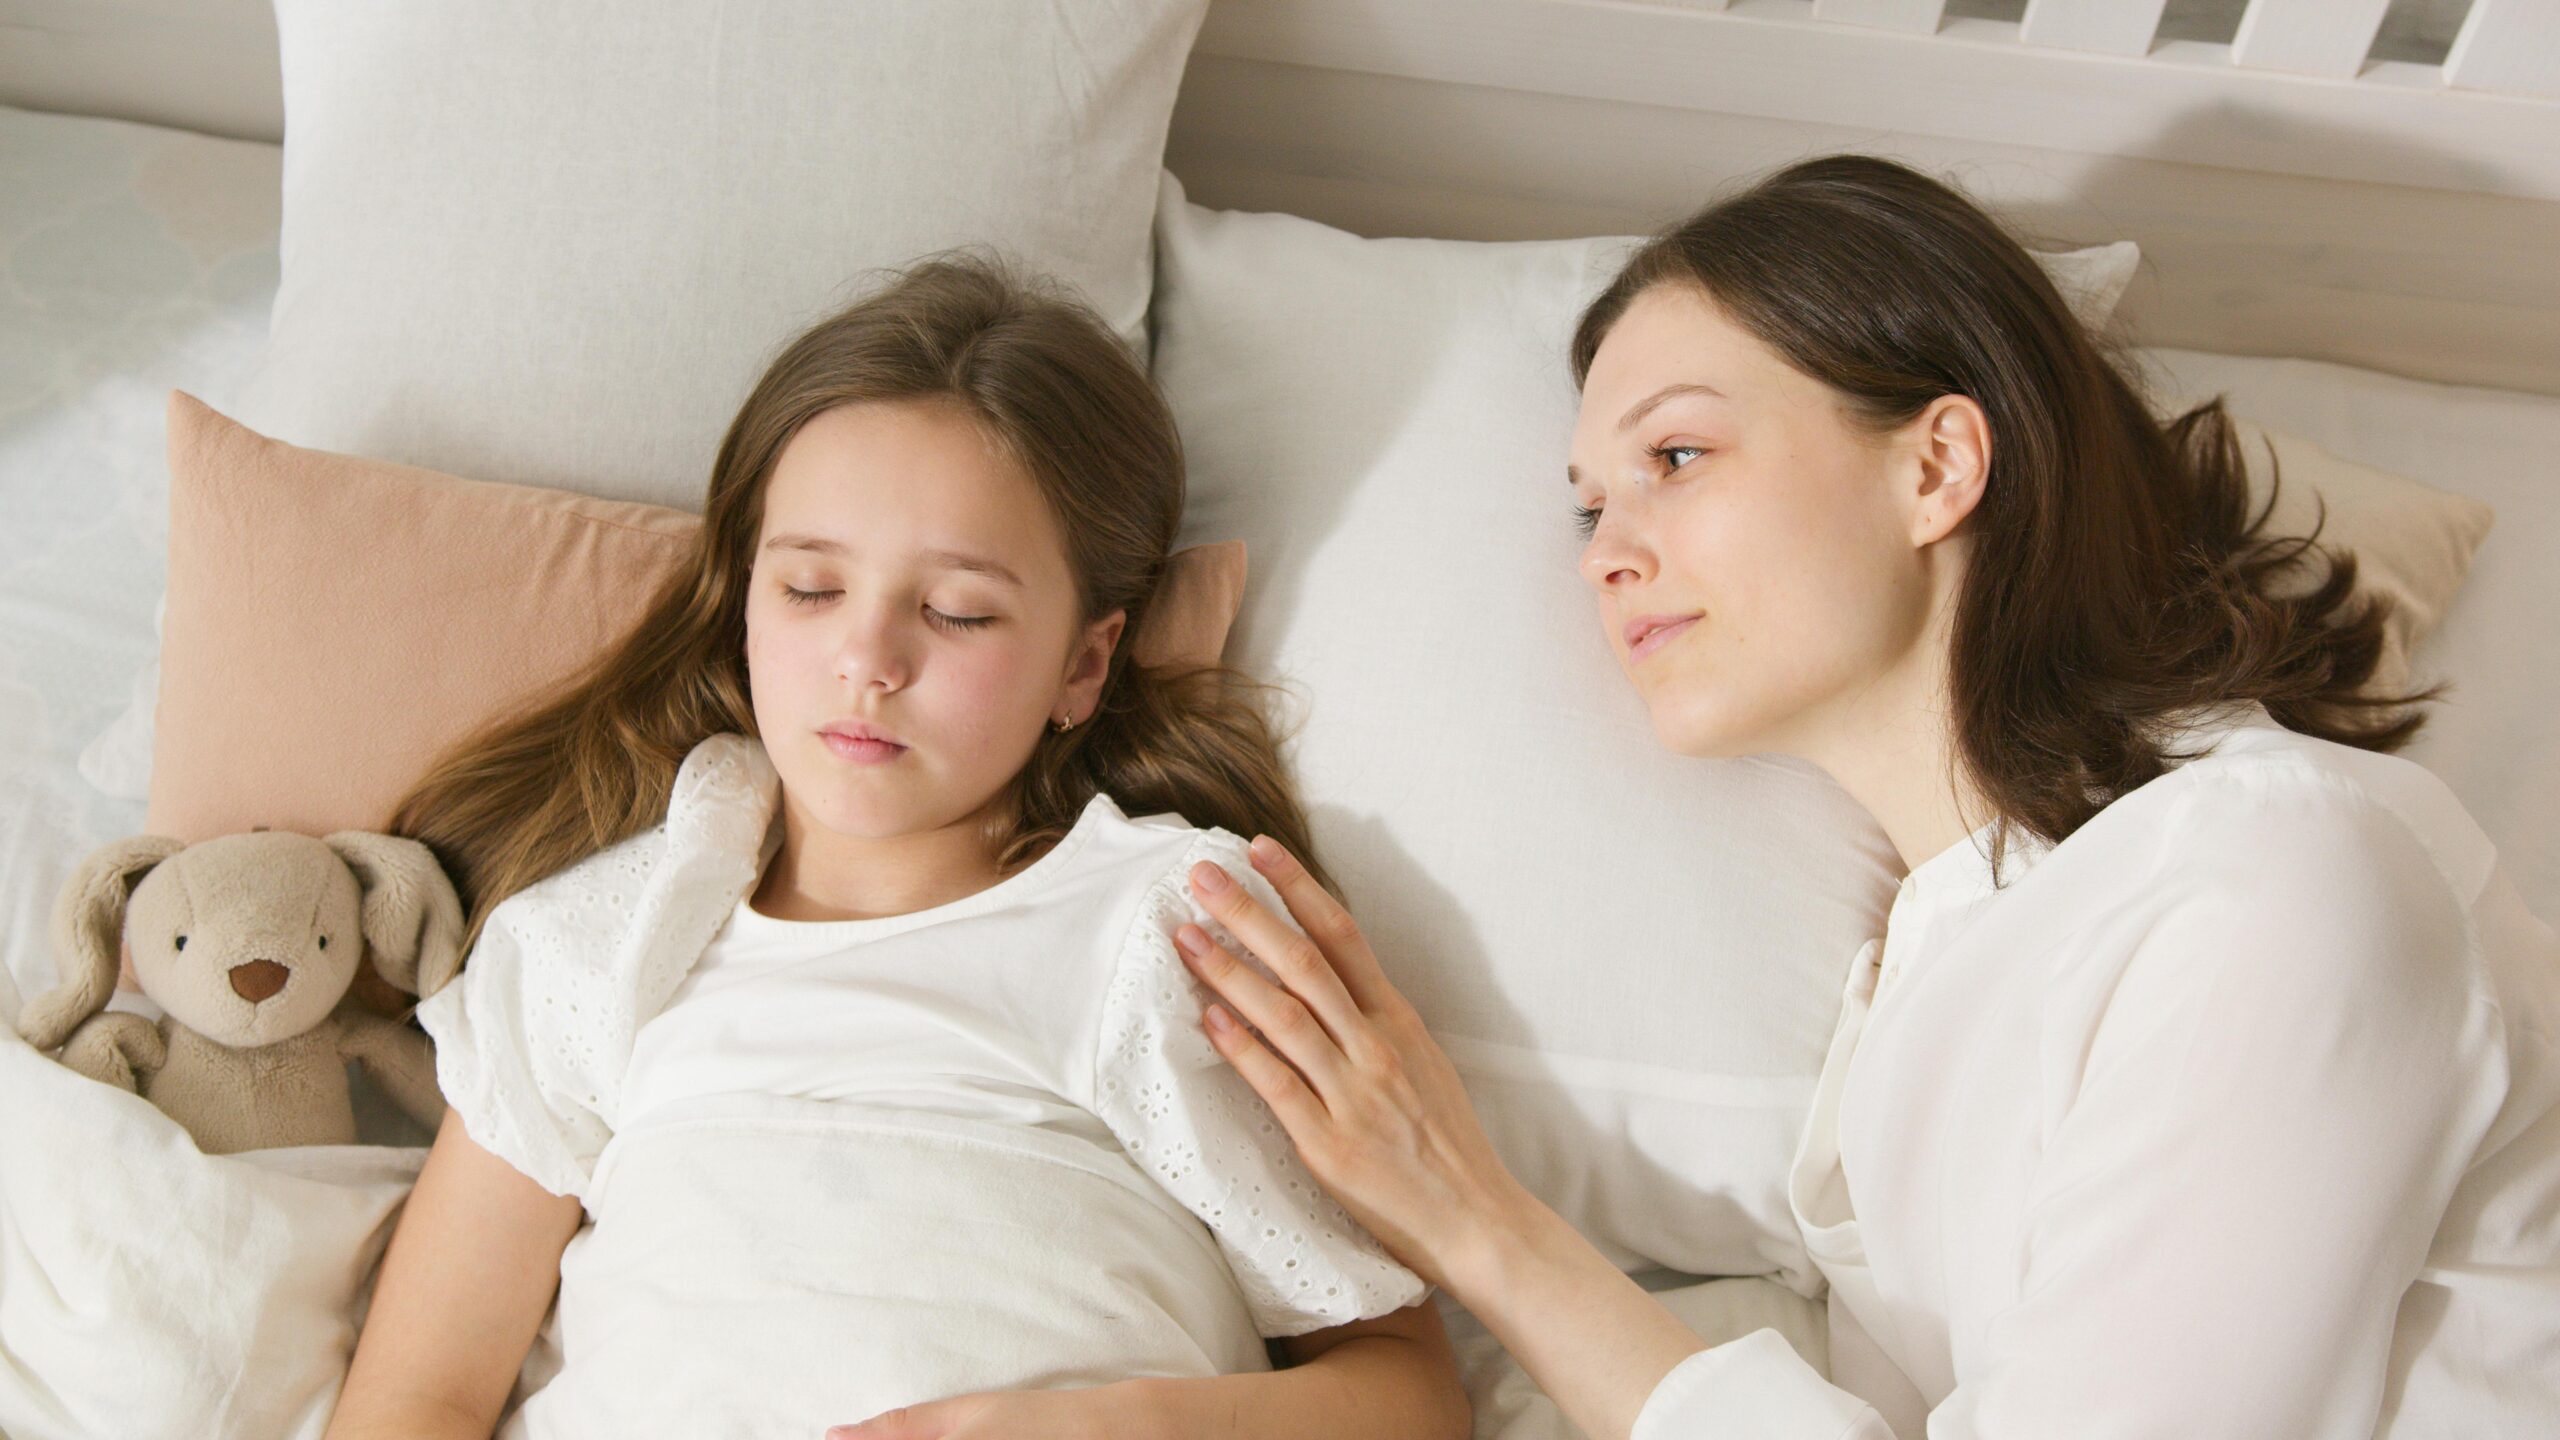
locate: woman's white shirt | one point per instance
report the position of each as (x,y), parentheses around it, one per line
(639,990)
(2236,1114)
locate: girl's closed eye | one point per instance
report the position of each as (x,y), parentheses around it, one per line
(798,596)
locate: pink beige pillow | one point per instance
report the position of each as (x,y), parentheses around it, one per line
(334,623)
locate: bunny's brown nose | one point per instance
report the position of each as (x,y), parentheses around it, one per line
(258,979)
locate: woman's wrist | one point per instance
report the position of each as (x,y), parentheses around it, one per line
(1507,1229)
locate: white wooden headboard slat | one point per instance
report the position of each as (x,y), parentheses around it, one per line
(2509,45)
(2315,37)
(2109,27)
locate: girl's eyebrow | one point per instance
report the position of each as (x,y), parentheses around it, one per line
(975,564)
(948,559)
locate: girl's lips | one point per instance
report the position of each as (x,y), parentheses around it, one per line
(1659,637)
(861,752)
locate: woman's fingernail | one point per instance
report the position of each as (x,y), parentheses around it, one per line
(1267,850)
(1220,1020)
(1211,878)
(1190,940)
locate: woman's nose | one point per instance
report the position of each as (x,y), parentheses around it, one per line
(1615,557)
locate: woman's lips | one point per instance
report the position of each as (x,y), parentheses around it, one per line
(1658,637)
(861,752)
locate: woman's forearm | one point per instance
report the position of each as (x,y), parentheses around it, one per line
(1374,1387)
(1591,1338)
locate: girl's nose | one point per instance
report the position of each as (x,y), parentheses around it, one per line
(875,655)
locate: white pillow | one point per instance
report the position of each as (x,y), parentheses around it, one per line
(1634,958)
(556,244)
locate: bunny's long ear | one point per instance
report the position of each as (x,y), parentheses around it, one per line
(412,919)
(88,935)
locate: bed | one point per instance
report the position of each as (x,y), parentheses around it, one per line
(2347,213)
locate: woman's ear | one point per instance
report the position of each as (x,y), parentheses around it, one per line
(1951,447)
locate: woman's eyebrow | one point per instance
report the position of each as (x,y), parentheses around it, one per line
(1645,406)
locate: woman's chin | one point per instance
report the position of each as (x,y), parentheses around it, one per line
(1696,737)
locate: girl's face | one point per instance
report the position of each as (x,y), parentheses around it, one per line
(911,584)
(1756,555)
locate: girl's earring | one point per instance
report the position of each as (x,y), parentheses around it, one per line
(1066,725)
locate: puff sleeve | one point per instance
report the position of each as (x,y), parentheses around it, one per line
(1197,1129)
(517,1053)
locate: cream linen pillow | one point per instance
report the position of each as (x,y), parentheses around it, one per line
(1634,958)
(558,243)
(2413,545)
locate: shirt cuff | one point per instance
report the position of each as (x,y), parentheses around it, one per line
(1757,1386)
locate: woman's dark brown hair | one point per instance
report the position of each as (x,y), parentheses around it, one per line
(2116,576)
(1052,388)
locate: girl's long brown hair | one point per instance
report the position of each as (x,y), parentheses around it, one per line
(593,763)
(2116,574)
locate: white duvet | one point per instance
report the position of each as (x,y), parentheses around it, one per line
(148,1289)
(763,1266)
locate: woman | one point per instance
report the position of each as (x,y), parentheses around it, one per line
(2203,1082)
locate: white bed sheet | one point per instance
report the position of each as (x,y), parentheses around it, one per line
(133,259)
(137,259)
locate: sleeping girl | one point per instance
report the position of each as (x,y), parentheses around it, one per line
(822,1040)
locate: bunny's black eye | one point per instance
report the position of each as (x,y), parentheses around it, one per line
(324,942)
(182,942)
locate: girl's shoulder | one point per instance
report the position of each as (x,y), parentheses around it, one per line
(713,835)
(1147,859)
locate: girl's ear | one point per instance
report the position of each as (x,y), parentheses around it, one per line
(1090,665)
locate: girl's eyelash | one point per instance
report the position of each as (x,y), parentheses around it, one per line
(798,596)
(1587,518)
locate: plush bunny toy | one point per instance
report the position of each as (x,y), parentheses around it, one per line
(250,942)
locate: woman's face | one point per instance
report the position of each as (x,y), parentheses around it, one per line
(1765,541)
(910,581)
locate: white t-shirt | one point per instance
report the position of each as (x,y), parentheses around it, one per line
(1052,1004)
(2235,1115)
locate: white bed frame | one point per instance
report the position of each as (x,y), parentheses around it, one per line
(2292,194)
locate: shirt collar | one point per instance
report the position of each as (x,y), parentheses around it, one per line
(1962,871)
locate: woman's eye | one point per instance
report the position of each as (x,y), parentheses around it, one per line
(1586,519)
(958,622)
(806,597)
(1664,453)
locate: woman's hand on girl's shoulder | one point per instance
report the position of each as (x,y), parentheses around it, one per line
(1371,1101)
